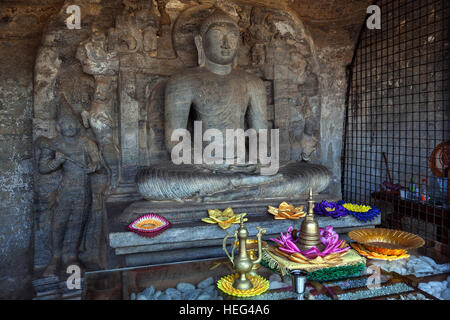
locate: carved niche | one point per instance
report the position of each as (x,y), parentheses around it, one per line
(127,62)
(111,72)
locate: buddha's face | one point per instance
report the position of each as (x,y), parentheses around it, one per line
(220,43)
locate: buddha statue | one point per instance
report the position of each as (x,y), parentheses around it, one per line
(222,97)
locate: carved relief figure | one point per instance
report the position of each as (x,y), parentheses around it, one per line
(282,53)
(77,156)
(103,65)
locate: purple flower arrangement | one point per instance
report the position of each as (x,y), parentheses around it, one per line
(330,209)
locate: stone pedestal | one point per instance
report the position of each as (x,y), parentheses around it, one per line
(191,239)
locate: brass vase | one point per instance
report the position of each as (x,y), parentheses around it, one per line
(243,264)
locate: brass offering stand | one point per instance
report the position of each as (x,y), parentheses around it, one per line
(242,263)
(309,233)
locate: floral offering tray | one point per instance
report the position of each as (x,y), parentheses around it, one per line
(260,285)
(331,254)
(149,225)
(328,260)
(375,255)
(330,209)
(286,211)
(386,241)
(361,212)
(224,219)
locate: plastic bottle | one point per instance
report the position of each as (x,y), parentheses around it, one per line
(423,194)
(413,191)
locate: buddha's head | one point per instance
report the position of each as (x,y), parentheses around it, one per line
(218,39)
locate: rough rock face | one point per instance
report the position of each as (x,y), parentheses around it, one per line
(26,52)
(21,24)
(334,26)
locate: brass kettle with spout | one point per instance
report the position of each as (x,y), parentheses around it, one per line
(242,263)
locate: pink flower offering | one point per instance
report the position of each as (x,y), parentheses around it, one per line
(149,225)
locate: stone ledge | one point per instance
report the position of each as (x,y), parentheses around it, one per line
(191,239)
(189,234)
(189,211)
(188,231)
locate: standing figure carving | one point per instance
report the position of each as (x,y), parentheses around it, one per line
(77,156)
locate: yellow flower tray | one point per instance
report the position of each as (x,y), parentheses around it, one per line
(224,219)
(286,211)
(260,285)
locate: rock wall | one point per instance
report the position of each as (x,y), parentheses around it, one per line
(21,25)
(333,28)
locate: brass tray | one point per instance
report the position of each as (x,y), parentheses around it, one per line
(386,241)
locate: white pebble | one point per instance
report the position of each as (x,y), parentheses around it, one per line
(446,294)
(274,277)
(205,283)
(277,285)
(428,260)
(443,268)
(435,288)
(436,284)
(157,294)
(185,287)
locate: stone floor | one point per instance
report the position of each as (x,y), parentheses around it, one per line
(156,282)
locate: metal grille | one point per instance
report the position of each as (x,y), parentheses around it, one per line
(397,114)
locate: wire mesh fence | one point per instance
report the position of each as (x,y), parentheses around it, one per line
(396,153)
